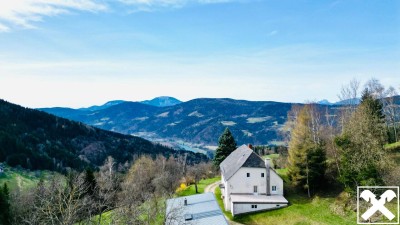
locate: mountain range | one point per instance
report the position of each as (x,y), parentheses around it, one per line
(37,140)
(161,101)
(353,101)
(198,121)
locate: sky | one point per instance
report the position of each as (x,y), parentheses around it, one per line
(78,53)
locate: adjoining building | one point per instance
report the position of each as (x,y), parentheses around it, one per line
(249,184)
(201,209)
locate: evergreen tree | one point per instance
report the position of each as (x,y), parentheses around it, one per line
(90,181)
(362,156)
(226,145)
(306,154)
(374,106)
(5,205)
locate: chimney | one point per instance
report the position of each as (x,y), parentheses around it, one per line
(250,146)
(268,165)
(185,201)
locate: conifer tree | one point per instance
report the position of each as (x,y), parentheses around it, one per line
(226,145)
(90,181)
(5,205)
(306,154)
(363,158)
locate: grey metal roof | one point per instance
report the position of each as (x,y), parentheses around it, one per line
(241,157)
(201,209)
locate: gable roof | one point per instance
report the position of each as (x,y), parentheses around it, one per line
(241,157)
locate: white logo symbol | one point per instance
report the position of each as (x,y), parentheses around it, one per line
(378,205)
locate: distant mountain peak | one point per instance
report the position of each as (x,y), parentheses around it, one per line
(162,101)
(104,106)
(324,102)
(351,101)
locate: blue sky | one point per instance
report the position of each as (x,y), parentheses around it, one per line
(82,52)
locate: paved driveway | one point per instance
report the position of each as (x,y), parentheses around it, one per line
(211,188)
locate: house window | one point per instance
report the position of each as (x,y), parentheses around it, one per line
(262,174)
(254,206)
(273,188)
(248,174)
(255,189)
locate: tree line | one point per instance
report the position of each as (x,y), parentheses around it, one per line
(345,149)
(136,196)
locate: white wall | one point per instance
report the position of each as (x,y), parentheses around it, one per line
(225,192)
(276,181)
(238,208)
(240,183)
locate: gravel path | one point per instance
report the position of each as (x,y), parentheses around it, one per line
(211,188)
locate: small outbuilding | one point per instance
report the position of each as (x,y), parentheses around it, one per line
(201,209)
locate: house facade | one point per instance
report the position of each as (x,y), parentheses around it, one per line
(249,184)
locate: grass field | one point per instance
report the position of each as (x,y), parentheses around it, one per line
(22,178)
(190,190)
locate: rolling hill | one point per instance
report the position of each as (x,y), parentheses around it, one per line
(38,140)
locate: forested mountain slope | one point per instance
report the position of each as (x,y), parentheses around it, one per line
(38,140)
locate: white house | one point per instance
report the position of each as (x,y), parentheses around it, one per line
(249,184)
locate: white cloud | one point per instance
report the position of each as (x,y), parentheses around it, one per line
(4,28)
(23,13)
(272,33)
(148,5)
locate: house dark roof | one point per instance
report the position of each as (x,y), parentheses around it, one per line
(241,157)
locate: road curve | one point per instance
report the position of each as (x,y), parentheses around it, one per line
(211,188)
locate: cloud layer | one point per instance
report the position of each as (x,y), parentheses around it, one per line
(24,13)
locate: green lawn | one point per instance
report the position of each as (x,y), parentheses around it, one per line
(301,210)
(271,156)
(395,145)
(190,190)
